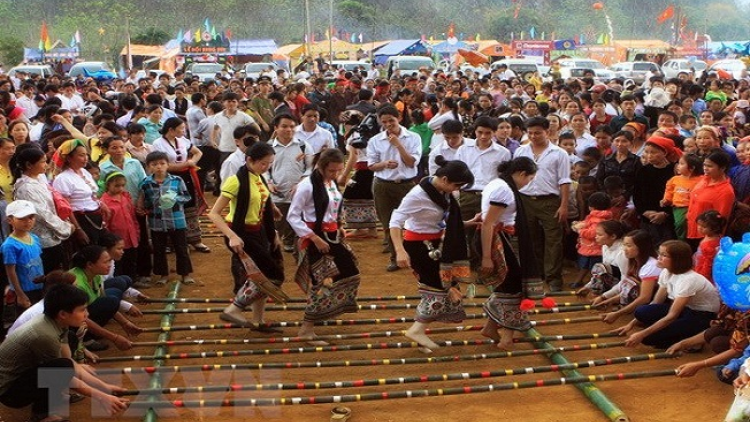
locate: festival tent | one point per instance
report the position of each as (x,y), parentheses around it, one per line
(58,52)
(400,48)
(449,47)
(637,50)
(341,49)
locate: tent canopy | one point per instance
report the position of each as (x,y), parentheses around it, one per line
(448,47)
(400,47)
(295,51)
(253,47)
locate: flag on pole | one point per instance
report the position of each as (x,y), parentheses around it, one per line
(477,37)
(532,33)
(541,37)
(72,42)
(180,35)
(207,24)
(44,42)
(187,36)
(77,37)
(360,38)
(197,35)
(666,14)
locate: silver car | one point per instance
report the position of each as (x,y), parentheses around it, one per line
(672,68)
(635,70)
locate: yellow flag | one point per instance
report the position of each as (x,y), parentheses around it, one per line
(478,39)
(328,34)
(197,35)
(47,44)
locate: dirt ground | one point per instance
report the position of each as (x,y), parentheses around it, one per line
(701,398)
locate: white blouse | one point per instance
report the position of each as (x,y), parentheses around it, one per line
(79,189)
(302,208)
(418,213)
(176,154)
(498,192)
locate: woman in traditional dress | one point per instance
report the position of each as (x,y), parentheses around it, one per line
(249,230)
(434,245)
(328,270)
(509,279)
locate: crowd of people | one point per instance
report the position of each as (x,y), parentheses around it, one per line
(630,187)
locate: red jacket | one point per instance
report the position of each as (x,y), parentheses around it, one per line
(587,246)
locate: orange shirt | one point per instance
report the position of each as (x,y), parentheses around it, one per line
(679,188)
(704,197)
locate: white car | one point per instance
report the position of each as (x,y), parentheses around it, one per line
(254,70)
(523,68)
(693,68)
(350,65)
(635,70)
(44,70)
(204,71)
(575,68)
(735,67)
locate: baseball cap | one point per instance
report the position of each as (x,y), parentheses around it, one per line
(20,209)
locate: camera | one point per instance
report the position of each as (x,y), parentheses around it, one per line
(365,130)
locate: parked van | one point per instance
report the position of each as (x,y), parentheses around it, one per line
(523,68)
(44,70)
(409,64)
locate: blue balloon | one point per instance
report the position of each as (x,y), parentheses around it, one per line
(731,272)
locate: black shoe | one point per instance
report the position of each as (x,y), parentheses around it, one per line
(392,267)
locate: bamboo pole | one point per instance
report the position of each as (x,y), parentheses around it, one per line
(403,394)
(347,322)
(346,347)
(352,363)
(159,353)
(456,376)
(591,391)
(274,340)
(568,307)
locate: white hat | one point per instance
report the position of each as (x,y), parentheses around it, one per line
(743,103)
(20,209)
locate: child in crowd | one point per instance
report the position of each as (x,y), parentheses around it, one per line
(568,143)
(162,198)
(22,254)
(615,189)
(684,305)
(711,226)
(638,284)
(606,274)
(122,222)
(689,146)
(589,252)
(599,118)
(587,186)
(677,194)
(593,156)
(688,123)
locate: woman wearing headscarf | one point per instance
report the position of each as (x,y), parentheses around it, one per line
(77,185)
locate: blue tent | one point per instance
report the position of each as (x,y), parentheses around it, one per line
(400,48)
(253,47)
(447,48)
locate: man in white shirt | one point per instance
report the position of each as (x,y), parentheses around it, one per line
(70,99)
(292,163)
(244,137)
(25,100)
(482,156)
(453,139)
(393,156)
(309,131)
(545,199)
(222,135)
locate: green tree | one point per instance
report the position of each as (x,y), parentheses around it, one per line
(152,36)
(11,50)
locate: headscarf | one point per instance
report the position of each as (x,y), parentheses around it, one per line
(64,150)
(667,145)
(640,128)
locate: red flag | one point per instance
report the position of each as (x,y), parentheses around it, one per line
(666,14)
(518,9)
